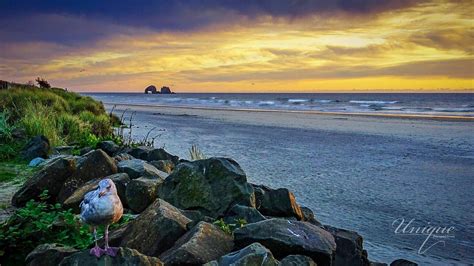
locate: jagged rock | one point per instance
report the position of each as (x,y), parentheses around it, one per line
(36,162)
(48,255)
(277,202)
(109,147)
(249,214)
(297,260)
(51,177)
(196,217)
(165,90)
(161,154)
(211,186)
(252,255)
(125,257)
(151,89)
(36,147)
(156,229)
(141,192)
(402,262)
(115,236)
(95,164)
(349,249)
(166,166)
(120,180)
(308,216)
(204,243)
(63,150)
(285,237)
(140,152)
(136,168)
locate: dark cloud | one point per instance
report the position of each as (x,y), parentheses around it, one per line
(72,21)
(448,39)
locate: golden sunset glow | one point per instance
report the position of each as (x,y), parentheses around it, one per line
(423,47)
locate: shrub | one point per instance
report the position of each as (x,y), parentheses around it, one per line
(43,83)
(6,130)
(40,120)
(100,124)
(72,128)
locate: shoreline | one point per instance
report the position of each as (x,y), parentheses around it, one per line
(310,112)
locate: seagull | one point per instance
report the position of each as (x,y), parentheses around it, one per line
(102,206)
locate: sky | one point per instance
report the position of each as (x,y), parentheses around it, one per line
(240,46)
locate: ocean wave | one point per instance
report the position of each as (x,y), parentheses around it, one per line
(297,101)
(262,103)
(373,102)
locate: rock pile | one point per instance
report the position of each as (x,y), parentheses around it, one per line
(178,203)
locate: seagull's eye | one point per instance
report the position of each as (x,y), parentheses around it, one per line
(109,186)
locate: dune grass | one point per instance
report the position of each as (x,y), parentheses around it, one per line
(65,118)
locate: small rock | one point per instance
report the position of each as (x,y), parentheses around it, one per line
(136,168)
(285,237)
(161,154)
(254,254)
(211,186)
(51,177)
(140,152)
(125,257)
(349,249)
(36,162)
(141,192)
(204,243)
(249,214)
(122,157)
(166,166)
(48,255)
(109,147)
(277,202)
(85,150)
(37,147)
(156,229)
(120,180)
(297,260)
(308,216)
(93,165)
(402,262)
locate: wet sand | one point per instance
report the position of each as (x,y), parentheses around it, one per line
(355,171)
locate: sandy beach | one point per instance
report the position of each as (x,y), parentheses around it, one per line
(357,172)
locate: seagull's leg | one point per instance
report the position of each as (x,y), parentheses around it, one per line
(96,251)
(109,250)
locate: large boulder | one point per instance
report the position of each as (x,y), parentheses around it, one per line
(252,255)
(156,229)
(125,257)
(48,255)
(297,260)
(349,249)
(277,202)
(93,165)
(108,147)
(36,147)
(51,177)
(211,186)
(285,237)
(204,243)
(249,214)
(141,192)
(166,166)
(136,168)
(120,180)
(161,154)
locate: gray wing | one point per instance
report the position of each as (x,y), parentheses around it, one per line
(86,207)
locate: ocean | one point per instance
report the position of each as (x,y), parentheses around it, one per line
(430,104)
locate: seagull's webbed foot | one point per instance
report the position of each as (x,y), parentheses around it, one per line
(96,251)
(111,251)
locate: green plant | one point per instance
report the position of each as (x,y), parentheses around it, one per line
(227,228)
(6,129)
(195,153)
(39,223)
